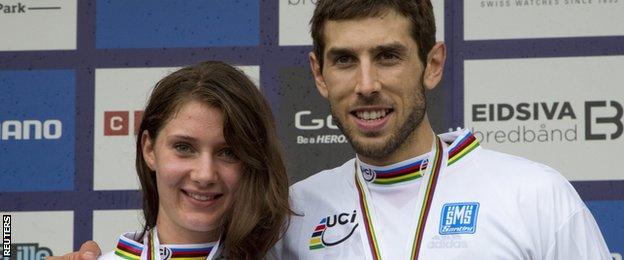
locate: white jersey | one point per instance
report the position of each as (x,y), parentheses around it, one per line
(486,205)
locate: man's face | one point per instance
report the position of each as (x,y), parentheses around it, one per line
(373,79)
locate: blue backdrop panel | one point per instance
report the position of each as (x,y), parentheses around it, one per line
(192,23)
(35,154)
(608,214)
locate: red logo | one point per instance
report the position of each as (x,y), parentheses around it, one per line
(117,123)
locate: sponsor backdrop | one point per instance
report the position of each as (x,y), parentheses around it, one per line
(539,79)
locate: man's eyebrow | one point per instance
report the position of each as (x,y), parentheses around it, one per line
(392,47)
(333,52)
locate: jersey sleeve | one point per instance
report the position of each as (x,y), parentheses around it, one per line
(109,256)
(579,238)
(286,248)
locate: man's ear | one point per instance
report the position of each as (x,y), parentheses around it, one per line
(315,66)
(147,145)
(435,66)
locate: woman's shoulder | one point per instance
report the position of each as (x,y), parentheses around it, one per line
(127,247)
(110,256)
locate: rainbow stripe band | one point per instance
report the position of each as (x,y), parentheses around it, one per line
(127,250)
(424,212)
(315,239)
(416,170)
(406,173)
(190,253)
(132,251)
(151,253)
(370,231)
(463,147)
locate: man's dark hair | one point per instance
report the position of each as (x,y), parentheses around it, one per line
(419,12)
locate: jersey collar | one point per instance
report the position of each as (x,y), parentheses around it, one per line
(459,144)
(129,248)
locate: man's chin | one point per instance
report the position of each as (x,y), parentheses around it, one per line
(374,147)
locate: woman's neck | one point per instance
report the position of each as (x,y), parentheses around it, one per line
(170,233)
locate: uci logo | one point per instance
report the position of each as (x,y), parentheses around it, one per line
(333,230)
(165,253)
(368,174)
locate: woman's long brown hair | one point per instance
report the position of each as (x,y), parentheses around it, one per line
(260,211)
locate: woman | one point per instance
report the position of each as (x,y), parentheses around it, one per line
(214,184)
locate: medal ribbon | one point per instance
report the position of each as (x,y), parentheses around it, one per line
(152,244)
(128,248)
(424,211)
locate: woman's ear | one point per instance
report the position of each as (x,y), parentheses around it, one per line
(147,145)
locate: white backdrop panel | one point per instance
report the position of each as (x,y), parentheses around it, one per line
(38,25)
(518,19)
(553,87)
(52,230)
(294,19)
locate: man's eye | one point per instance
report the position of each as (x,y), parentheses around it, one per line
(388,57)
(183,148)
(341,60)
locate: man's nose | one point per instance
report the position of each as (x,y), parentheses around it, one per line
(368,82)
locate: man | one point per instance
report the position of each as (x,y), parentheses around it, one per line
(409,193)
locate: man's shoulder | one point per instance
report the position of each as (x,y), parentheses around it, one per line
(503,163)
(525,175)
(516,165)
(327,177)
(467,155)
(323,191)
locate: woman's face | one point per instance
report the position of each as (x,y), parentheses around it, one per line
(196,172)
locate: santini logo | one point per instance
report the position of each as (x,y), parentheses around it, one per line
(459,218)
(331,230)
(31,129)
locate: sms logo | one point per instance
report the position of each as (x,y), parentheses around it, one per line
(459,218)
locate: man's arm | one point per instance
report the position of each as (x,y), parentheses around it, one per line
(579,238)
(88,251)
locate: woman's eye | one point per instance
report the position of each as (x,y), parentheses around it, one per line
(229,154)
(183,148)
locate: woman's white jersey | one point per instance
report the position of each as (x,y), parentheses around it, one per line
(486,205)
